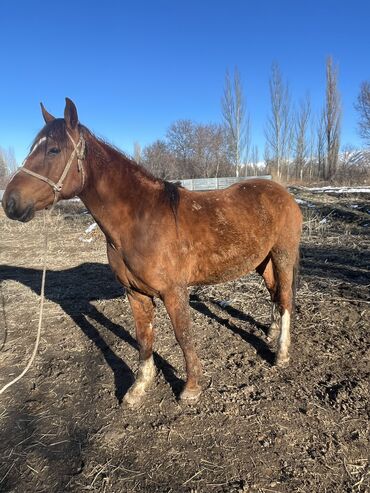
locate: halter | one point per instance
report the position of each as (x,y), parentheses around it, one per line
(79,151)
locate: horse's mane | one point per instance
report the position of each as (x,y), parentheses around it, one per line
(56,129)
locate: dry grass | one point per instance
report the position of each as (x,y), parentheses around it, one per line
(256,429)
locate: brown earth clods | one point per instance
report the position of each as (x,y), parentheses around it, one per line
(256,428)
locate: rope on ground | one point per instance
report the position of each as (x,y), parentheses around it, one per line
(3,342)
(42,297)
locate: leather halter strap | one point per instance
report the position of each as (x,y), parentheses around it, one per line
(79,151)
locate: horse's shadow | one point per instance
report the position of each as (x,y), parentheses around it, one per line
(259,345)
(74,289)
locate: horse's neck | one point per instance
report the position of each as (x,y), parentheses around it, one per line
(115,188)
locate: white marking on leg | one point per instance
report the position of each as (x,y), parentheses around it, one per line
(145,376)
(146,371)
(274,326)
(284,339)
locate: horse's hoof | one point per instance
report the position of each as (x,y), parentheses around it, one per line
(190,395)
(282,362)
(133,398)
(131,403)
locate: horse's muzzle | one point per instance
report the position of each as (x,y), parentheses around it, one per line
(14,209)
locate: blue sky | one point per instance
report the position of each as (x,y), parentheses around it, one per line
(132,68)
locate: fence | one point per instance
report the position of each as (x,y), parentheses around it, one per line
(202,184)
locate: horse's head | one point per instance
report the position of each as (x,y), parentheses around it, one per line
(53,169)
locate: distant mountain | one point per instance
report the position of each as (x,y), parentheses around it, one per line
(355,158)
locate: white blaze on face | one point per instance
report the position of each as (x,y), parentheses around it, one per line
(36,145)
(34,149)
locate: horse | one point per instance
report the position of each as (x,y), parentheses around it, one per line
(162,238)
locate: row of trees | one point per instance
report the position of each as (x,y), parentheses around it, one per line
(8,164)
(189,150)
(300,146)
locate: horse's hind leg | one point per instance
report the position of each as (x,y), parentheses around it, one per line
(285,263)
(143,311)
(266,270)
(177,306)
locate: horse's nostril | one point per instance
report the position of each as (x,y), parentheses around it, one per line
(10,205)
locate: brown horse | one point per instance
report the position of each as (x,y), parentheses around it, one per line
(162,238)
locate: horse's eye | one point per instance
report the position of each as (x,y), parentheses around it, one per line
(54,150)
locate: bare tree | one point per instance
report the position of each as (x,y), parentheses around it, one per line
(190,150)
(312,148)
(210,150)
(159,160)
(320,141)
(236,120)
(363,107)
(137,152)
(332,119)
(278,129)
(255,160)
(301,139)
(8,164)
(3,169)
(180,139)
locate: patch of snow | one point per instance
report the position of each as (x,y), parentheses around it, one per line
(75,199)
(223,303)
(90,228)
(339,189)
(304,202)
(86,240)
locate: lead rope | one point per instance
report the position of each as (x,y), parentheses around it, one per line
(3,342)
(42,298)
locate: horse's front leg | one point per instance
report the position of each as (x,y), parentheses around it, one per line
(143,311)
(177,305)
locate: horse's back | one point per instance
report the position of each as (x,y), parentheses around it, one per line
(257,201)
(227,233)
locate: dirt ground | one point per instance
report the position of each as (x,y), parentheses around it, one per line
(255,429)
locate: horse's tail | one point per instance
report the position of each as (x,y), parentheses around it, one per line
(295,281)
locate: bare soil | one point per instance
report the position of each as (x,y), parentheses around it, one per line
(256,428)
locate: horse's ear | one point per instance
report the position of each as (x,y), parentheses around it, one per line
(70,114)
(47,116)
